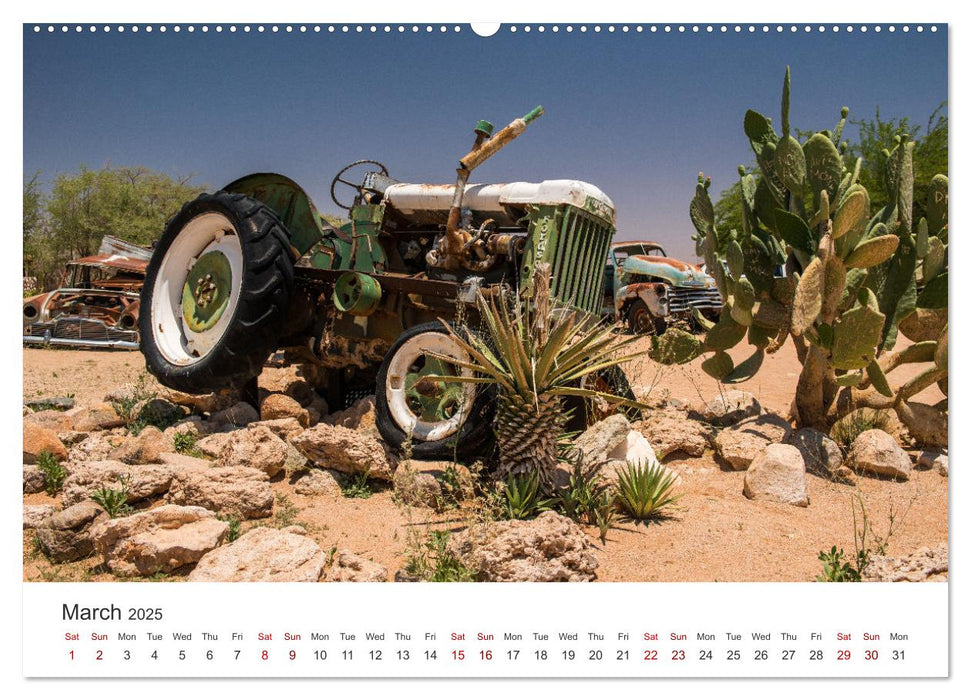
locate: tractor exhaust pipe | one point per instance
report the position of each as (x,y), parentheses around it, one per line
(486,145)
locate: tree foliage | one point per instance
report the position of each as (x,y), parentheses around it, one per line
(876,137)
(132,203)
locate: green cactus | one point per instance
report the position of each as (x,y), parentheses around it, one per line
(856,276)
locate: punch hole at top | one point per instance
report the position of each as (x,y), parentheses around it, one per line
(485,28)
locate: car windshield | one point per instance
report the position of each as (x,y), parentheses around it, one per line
(621,254)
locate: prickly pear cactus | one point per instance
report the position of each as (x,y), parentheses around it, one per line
(854,278)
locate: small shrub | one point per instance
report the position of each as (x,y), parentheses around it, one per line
(604,513)
(235,525)
(580,498)
(521,497)
(850,426)
(185,443)
(54,473)
(135,422)
(646,491)
(357,486)
(430,560)
(285,513)
(836,569)
(114,501)
(453,488)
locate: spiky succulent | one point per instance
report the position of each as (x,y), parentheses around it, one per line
(537,354)
(854,279)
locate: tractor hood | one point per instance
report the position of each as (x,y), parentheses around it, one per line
(674,272)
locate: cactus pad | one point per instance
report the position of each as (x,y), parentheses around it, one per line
(856,335)
(873,251)
(808,301)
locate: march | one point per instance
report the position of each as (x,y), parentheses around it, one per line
(77,612)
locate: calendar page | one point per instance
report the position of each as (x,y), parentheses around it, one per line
(429,349)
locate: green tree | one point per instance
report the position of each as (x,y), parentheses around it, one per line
(34,222)
(876,138)
(132,203)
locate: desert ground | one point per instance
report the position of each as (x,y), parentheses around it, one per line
(715,534)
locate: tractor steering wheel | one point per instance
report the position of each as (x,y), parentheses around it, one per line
(348,183)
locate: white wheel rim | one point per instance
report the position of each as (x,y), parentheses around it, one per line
(206,233)
(400,367)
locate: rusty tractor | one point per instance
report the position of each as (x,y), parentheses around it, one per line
(255,269)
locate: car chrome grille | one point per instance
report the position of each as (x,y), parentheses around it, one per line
(83,329)
(681,299)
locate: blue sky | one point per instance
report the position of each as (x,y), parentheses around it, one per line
(639,115)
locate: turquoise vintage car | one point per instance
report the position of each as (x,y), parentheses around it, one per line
(648,290)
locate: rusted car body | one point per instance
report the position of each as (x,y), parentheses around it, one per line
(648,290)
(96,305)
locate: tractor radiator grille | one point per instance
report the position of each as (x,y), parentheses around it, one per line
(682,299)
(579,258)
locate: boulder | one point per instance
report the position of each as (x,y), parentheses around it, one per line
(926,564)
(53,420)
(70,438)
(746,440)
(255,448)
(348,567)
(413,487)
(603,440)
(159,540)
(346,450)
(929,459)
(38,439)
(238,415)
(277,406)
(263,554)
(779,475)
(143,480)
(548,548)
(35,515)
(731,407)
(201,403)
(33,479)
(212,445)
(876,452)
(358,416)
(96,447)
(226,490)
(670,430)
(57,403)
(144,448)
(283,428)
(66,536)
(316,482)
(821,454)
(98,416)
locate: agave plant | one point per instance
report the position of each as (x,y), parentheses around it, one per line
(646,490)
(537,354)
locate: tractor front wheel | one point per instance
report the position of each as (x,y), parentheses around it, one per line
(440,419)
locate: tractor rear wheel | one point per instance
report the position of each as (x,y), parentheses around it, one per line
(216,294)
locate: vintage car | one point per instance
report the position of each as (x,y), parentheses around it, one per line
(647,289)
(96,305)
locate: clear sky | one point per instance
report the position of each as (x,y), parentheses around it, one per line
(639,115)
